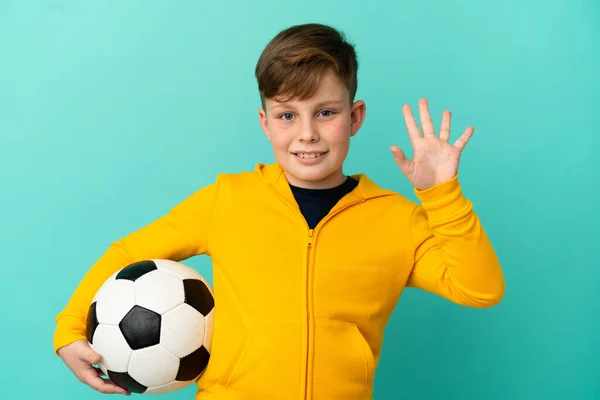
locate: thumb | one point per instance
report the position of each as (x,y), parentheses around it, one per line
(91,356)
(403,162)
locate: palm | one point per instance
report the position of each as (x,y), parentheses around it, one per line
(435,160)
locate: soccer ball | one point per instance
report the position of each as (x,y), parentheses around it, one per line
(152,324)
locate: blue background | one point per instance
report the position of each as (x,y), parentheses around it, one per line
(111,112)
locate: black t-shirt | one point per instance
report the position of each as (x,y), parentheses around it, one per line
(316,203)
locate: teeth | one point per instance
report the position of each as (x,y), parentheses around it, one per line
(309,155)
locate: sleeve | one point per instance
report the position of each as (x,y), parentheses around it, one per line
(182,233)
(453,256)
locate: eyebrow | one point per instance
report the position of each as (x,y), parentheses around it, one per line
(335,102)
(330,102)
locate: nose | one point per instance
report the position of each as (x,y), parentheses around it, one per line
(308,132)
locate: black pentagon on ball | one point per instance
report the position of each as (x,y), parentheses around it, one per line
(124,380)
(92,322)
(198,296)
(141,328)
(193,364)
(136,270)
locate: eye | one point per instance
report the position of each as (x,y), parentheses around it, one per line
(326,113)
(286,116)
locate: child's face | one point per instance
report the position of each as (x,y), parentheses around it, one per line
(311,137)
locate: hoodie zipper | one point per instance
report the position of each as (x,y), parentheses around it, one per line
(308,306)
(309,247)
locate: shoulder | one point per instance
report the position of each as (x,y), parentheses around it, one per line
(390,207)
(243,177)
(239,183)
(372,191)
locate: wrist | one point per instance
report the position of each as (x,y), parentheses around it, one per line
(443,201)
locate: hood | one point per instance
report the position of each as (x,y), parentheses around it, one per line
(273,176)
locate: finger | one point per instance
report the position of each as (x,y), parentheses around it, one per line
(411,125)
(401,160)
(462,141)
(106,386)
(91,378)
(445,126)
(120,390)
(426,123)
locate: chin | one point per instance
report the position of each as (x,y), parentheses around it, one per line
(320,173)
(314,176)
(310,177)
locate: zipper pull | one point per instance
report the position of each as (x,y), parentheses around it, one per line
(310,237)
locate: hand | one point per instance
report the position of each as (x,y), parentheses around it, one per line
(435,160)
(80,358)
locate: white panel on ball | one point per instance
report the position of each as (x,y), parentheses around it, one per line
(159,291)
(108,341)
(153,366)
(209,322)
(182,271)
(169,387)
(182,330)
(114,300)
(103,369)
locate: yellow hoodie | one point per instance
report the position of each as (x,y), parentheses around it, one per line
(300,313)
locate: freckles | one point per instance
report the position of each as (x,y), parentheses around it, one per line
(338,131)
(281,137)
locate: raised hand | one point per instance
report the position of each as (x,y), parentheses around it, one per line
(435,160)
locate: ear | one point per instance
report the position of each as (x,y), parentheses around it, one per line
(262,116)
(357,116)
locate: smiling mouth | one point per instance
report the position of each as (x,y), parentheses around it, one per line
(309,155)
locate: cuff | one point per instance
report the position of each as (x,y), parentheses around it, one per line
(69,330)
(444,201)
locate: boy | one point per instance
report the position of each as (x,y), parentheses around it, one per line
(308,262)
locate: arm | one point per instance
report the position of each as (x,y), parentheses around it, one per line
(453,255)
(180,234)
